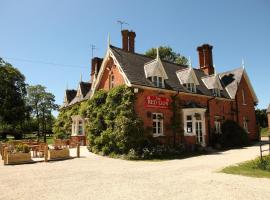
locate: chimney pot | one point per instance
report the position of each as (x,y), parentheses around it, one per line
(125,34)
(206,58)
(131,41)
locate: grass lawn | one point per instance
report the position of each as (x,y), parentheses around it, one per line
(252,168)
(264,132)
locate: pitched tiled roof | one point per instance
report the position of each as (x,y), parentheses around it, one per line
(70,94)
(85,87)
(133,66)
(231,79)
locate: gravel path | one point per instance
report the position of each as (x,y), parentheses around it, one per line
(95,177)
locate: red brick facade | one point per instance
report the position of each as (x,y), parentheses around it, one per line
(226,109)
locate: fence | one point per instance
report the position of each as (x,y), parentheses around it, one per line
(263,143)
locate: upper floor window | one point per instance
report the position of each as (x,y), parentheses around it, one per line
(190,87)
(157,124)
(158,81)
(111,81)
(215,92)
(244,97)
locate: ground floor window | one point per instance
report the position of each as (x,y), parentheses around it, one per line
(189,123)
(77,125)
(217,127)
(157,124)
(245,124)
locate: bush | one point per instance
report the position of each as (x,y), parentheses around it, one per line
(23,148)
(233,135)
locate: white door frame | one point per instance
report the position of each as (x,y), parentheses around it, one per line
(192,111)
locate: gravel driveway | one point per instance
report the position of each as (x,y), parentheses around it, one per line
(95,177)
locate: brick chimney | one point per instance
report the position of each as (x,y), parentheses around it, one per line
(96,64)
(206,59)
(125,34)
(131,41)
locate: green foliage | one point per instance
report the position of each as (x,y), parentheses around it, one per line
(261,117)
(176,120)
(12,94)
(113,127)
(233,135)
(253,168)
(166,53)
(23,148)
(63,123)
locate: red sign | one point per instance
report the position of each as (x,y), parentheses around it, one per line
(157,102)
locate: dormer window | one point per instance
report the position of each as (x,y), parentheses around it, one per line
(190,87)
(188,79)
(158,81)
(216,92)
(155,72)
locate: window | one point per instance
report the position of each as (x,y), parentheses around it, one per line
(190,87)
(189,124)
(243,96)
(158,81)
(217,127)
(111,83)
(80,128)
(157,124)
(215,92)
(245,124)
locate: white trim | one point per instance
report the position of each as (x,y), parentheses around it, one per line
(192,111)
(161,125)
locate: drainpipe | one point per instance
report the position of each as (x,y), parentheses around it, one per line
(174,115)
(209,128)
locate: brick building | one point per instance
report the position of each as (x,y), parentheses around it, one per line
(207,98)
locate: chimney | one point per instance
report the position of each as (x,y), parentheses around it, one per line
(125,34)
(96,64)
(206,59)
(131,41)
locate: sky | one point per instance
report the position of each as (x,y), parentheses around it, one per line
(50,41)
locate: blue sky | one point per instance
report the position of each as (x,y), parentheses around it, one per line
(62,32)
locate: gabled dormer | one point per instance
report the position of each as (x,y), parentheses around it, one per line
(155,72)
(213,83)
(188,79)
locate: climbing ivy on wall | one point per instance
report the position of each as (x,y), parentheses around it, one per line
(113,126)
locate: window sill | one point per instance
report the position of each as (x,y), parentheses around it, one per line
(189,134)
(160,135)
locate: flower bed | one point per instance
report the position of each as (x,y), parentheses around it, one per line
(18,157)
(55,154)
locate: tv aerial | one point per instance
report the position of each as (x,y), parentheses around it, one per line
(121,22)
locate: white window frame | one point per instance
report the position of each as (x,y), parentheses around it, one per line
(217,126)
(245,124)
(158,81)
(216,92)
(191,87)
(157,120)
(80,127)
(186,124)
(244,97)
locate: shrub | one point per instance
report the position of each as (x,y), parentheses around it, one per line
(233,135)
(23,148)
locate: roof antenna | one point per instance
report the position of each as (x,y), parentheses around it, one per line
(93,47)
(243,63)
(121,22)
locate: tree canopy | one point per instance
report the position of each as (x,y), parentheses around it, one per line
(166,53)
(12,94)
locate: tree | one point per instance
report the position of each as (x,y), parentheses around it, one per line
(12,95)
(166,53)
(261,117)
(42,104)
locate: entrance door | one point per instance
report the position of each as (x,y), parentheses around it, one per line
(199,132)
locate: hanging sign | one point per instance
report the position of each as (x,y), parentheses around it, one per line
(157,102)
